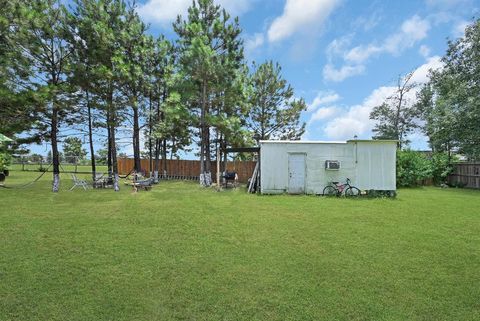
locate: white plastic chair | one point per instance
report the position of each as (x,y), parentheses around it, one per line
(79,182)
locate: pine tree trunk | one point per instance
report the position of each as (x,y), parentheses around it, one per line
(163,141)
(109,146)
(90,138)
(150,157)
(113,147)
(157,160)
(164,157)
(205,176)
(202,154)
(150,131)
(136,139)
(116,186)
(202,136)
(157,145)
(208,154)
(55,156)
(225,157)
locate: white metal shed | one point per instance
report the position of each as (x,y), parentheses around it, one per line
(301,167)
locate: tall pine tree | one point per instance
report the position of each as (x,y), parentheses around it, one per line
(210,49)
(43,42)
(17,93)
(104,25)
(274,113)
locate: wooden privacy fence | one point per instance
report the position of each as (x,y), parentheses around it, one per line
(188,169)
(465,175)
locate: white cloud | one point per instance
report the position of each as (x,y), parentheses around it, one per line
(323,98)
(412,30)
(164,12)
(331,73)
(235,7)
(300,15)
(344,128)
(459,28)
(253,42)
(338,46)
(324,113)
(415,28)
(367,23)
(424,51)
(356,119)
(361,53)
(421,73)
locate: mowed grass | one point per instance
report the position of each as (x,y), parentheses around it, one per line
(35,167)
(180,252)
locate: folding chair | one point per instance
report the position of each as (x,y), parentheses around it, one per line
(79,182)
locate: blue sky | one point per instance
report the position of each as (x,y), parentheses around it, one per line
(342,56)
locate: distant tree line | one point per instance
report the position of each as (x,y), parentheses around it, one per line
(93,67)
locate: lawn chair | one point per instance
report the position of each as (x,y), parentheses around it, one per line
(145,184)
(139,181)
(79,182)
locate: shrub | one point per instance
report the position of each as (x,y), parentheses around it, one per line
(4,161)
(441,167)
(412,167)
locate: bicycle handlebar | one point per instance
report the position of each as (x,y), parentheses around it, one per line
(338,184)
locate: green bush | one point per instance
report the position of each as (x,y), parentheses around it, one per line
(4,161)
(412,167)
(441,167)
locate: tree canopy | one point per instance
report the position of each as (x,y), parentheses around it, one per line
(274,113)
(451,101)
(93,69)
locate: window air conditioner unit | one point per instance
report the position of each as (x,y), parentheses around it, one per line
(332,165)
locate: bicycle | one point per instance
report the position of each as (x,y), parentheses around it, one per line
(337,189)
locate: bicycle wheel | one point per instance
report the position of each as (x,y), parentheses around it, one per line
(352,191)
(329,191)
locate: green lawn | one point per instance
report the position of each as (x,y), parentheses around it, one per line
(63,167)
(180,252)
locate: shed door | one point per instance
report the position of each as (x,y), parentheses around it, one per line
(296,173)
